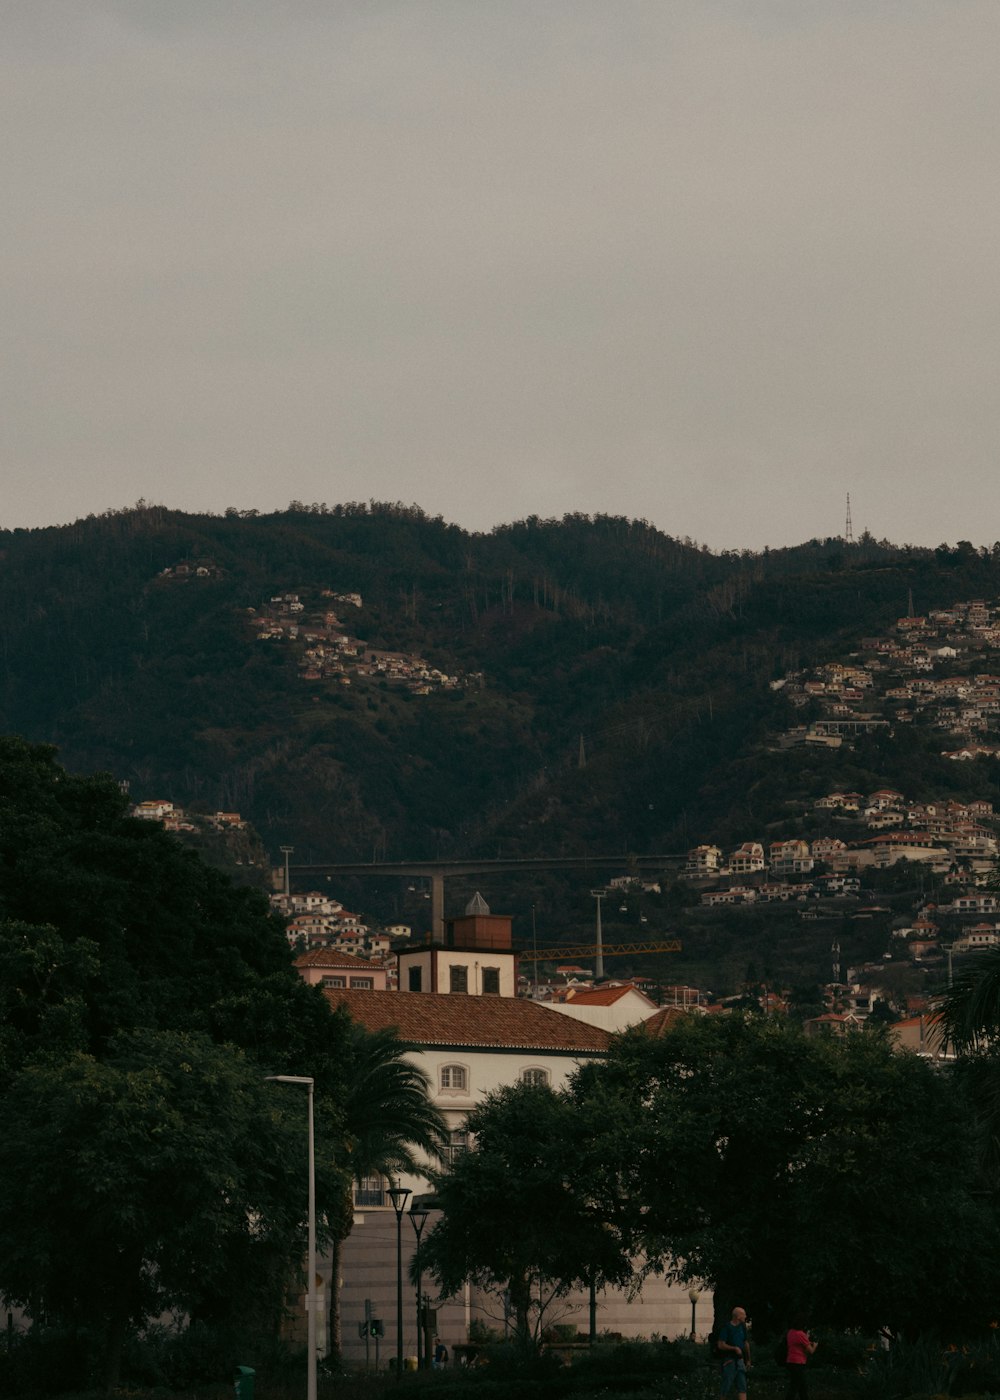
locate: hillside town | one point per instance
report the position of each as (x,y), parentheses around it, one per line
(954,840)
(925,666)
(328,651)
(824,877)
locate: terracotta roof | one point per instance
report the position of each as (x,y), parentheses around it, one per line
(439,1018)
(661,1021)
(330,957)
(603,996)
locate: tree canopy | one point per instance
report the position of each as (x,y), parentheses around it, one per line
(834,1175)
(792,1174)
(145,1162)
(521,1210)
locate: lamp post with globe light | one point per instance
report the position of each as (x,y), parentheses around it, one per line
(694,1294)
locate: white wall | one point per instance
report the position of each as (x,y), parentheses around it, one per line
(629,1010)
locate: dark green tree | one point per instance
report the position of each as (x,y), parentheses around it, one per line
(794,1172)
(528,1209)
(969,1019)
(165,1176)
(970,1009)
(143,999)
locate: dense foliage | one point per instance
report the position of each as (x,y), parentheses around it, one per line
(525,1211)
(796,1176)
(144,1161)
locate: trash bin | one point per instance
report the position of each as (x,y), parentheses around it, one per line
(243,1384)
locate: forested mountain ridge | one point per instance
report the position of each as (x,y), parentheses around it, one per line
(624,699)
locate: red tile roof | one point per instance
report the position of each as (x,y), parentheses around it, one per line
(330,957)
(661,1021)
(602,996)
(438,1018)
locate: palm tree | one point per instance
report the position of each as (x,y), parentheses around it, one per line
(970,1023)
(389,1120)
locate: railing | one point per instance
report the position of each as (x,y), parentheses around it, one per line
(370,1195)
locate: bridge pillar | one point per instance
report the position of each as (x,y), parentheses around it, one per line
(437,907)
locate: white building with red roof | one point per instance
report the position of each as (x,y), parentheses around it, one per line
(612,1008)
(471,1035)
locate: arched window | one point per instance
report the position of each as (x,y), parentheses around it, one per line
(454,1078)
(538,1078)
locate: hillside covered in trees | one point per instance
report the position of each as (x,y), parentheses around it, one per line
(592,684)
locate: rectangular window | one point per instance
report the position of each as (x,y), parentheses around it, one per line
(334,982)
(458,1143)
(491,981)
(363,984)
(370,1191)
(458,979)
(416,979)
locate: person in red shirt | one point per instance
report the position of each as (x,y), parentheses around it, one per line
(799,1349)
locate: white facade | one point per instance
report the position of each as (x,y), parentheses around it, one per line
(469,1045)
(612,1010)
(456,971)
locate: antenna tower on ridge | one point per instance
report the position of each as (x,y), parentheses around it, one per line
(848,527)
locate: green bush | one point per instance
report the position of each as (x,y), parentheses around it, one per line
(49,1361)
(928,1367)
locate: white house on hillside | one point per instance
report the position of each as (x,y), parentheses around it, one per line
(613,1009)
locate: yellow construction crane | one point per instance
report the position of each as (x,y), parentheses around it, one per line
(591,950)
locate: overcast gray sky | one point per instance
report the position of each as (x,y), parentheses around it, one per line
(711,262)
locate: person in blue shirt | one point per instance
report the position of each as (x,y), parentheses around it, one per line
(735,1348)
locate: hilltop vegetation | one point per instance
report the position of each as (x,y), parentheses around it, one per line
(622,694)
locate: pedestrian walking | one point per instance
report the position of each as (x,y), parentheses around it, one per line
(800,1347)
(734,1347)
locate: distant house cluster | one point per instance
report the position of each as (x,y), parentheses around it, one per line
(957,840)
(952,837)
(930,666)
(175,818)
(329,652)
(319,927)
(187,569)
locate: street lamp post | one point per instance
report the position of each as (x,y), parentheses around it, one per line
(309,1082)
(694,1295)
(418,1219)
(398,1195)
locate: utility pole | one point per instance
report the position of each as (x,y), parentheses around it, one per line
(534,944)
(286,852)
(599,938)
